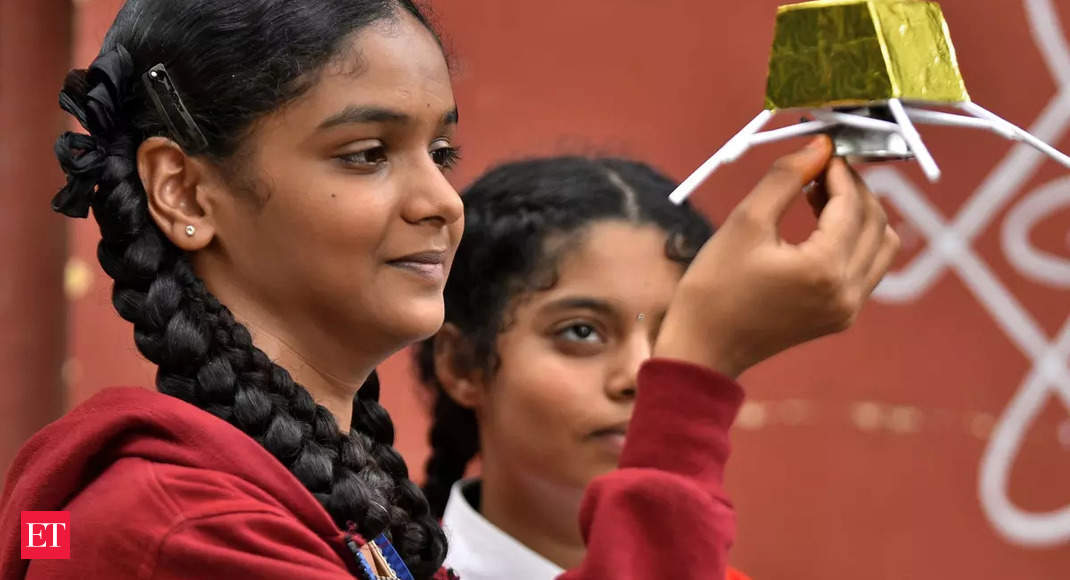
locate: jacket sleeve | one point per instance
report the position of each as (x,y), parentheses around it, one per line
(241,545)
(664,513)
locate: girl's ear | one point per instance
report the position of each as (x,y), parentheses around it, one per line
(455,368)
(178,188)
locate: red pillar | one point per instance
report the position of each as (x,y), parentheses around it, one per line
(35,52)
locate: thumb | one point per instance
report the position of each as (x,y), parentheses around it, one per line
(783,183)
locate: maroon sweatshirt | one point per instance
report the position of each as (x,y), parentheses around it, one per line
(157,488)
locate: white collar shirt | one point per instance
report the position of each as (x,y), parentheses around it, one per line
(479,550)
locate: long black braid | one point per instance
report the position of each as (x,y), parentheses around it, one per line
(511,213)
(204,356)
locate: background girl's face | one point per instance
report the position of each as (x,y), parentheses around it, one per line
(343,223)
(557,409)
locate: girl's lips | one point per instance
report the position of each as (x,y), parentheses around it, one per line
(614,429)
(430,264)
(612,437)
(425,257)
(430,271)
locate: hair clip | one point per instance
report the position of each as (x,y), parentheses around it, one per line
(169,104)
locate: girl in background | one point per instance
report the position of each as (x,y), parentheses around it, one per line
(566,270)
(268,180)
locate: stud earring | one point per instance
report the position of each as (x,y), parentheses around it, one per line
(190,230)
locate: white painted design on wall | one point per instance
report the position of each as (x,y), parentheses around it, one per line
(950,248)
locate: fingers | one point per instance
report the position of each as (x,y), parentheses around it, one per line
(817,195)
(886,253)
(842,220)
(871,237)
(775,192)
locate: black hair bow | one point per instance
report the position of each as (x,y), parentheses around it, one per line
(95,98)
(82,159)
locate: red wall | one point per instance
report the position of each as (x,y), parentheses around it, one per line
(858,456)
(33,244)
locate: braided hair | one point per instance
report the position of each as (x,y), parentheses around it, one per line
(236,60)
(512,213)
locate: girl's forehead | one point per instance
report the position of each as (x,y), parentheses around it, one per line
(395,78)
(619,262)
(612,245)
(394,49)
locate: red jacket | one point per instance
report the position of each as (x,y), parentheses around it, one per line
(157,488)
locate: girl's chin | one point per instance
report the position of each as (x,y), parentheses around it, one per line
(418,320)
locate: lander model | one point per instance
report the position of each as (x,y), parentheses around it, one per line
(865,72)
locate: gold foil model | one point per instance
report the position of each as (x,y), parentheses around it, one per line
(865,71)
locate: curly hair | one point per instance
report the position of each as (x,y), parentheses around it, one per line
(235,61)
(513,213)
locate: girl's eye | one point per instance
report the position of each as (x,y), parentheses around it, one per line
(580,333)
(446,157)
(368,158)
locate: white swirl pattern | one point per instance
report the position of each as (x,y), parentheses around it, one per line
(950,248)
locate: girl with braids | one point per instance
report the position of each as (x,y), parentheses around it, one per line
(268,180)
(564,274)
